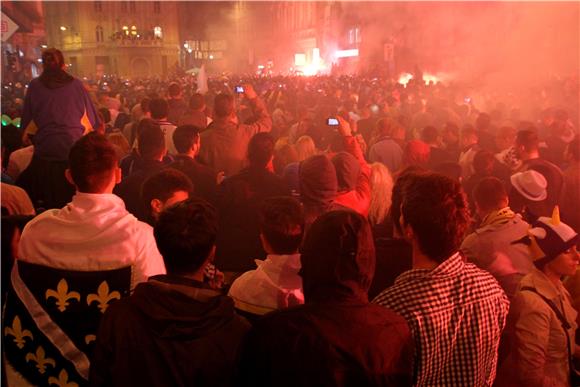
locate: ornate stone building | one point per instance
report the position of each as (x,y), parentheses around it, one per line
(127,38)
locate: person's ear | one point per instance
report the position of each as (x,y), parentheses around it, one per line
(68,177)
(118,175)
(156,206)
(407,230)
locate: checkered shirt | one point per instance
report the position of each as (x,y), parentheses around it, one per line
(456,313)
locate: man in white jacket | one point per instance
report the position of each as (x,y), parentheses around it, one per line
(94,231)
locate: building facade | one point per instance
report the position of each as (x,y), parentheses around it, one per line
(126,38)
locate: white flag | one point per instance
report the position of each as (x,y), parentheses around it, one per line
(202,80)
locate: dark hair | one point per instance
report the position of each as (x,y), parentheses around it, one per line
(105,114)
(151,140)
(145,105)
(52,59)
(401,183)
(53,75)
(483,162)
(436,209)
(260,149)
(159,108)
(450,169)
(92,162)
(528,138)
(163,184)
(223,105)
(196,101)
(489,193)
(282,223)
(184,137)
(429,134)
(385,126)
(185,234)
(174,89)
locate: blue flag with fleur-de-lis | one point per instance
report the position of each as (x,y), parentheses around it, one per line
(51,320)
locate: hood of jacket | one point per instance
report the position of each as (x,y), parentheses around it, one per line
(180,308)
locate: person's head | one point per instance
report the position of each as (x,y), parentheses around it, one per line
(105,115)
(430,135)
(527,144)
(151,140)
(186,139)
(174,90)
(338,258)
(505,138)
(145,105)
(159,108)
(261,150)
(120,143)
(317,180)
(163,189)
(385,126)
(224,106)
(468,136)
(531,185)
(93,165)
(450,134)
(281,225)
(483,162)
(52,60)
(416,152)
(483,122)
(553,246)
(197,102)
(489,195)
(402,180)
(284,154)
(434,215)
(381,193)
(305,147)
(185,234)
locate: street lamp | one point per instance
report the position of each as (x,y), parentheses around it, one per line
(62,28)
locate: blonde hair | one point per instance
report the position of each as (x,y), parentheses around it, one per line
(305,147)
(120,143)
(381,193)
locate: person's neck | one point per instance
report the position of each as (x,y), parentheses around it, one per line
(531,155)
(197,276)
(191,155)
(420,260)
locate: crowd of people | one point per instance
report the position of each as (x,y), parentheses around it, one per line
(326,230)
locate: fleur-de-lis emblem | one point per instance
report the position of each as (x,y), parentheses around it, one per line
(62,380)
(62,295)
(89,339)
(40,359)
(18,333)
(103,296)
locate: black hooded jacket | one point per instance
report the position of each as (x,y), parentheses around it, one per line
(171,332)
(336,338)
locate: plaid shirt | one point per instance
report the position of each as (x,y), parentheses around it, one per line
(456,313)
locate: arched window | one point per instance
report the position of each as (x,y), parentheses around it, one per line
(157,6)
(124,6)
(99,34)
(157,32)
(98,6)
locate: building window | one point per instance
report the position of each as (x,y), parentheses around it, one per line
(98,6)
(124,6)
(99,34)
(132,6)
(157,32)
(157,6)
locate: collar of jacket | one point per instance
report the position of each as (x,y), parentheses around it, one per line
(191,288)
(543,285)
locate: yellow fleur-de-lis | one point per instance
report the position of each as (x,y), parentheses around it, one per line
(62,295)
(89,339)
(103,296)
(40,359)
(62,380)
(18,333)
